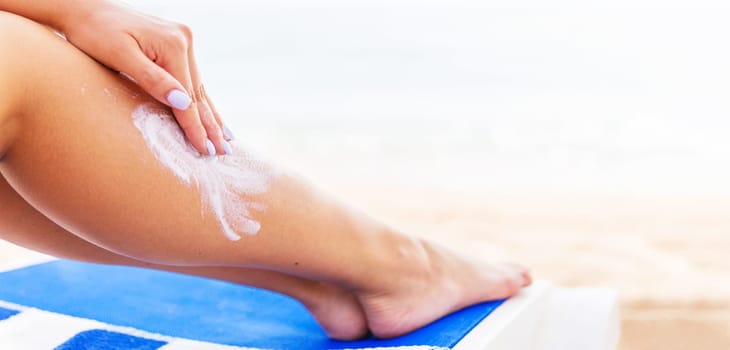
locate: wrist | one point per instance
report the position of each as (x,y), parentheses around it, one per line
(74,12)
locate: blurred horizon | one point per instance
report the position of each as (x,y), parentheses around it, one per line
(575,97)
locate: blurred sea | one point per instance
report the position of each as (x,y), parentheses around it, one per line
(570,96)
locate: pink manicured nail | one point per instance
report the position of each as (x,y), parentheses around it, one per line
(211,148)
(228,133)
(179,100)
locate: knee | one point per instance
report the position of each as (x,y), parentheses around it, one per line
(12,70)
(17,29)
(19,34)
(21,47)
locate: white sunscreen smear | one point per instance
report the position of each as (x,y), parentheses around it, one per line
(223,181)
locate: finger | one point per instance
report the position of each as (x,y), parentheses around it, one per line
(215,133)
(163,86)
(154,80)
(190,119)
(227,133)
(207,117)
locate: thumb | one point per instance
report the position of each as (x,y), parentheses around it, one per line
(156,81)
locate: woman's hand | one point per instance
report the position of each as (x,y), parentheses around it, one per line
(157,55)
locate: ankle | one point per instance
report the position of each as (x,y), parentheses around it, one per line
(401,261)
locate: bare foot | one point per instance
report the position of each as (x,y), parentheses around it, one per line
(439,284)
(338,312)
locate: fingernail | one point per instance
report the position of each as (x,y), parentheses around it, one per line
(179,100)
(227,148)
(228,133)
(211,148)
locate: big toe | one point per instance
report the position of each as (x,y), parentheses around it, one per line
(522,273)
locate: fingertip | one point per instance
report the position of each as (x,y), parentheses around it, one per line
(199,141)
(201,147)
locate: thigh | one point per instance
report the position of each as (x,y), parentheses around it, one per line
(22,225)
(78,158)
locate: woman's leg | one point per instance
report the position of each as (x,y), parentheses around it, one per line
(74,153)
(336,309)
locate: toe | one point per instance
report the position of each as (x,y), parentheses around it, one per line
(522,272)
(527,278)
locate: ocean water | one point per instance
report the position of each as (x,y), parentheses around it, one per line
(586,96)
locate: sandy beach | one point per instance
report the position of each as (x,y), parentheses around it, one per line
(667,256)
